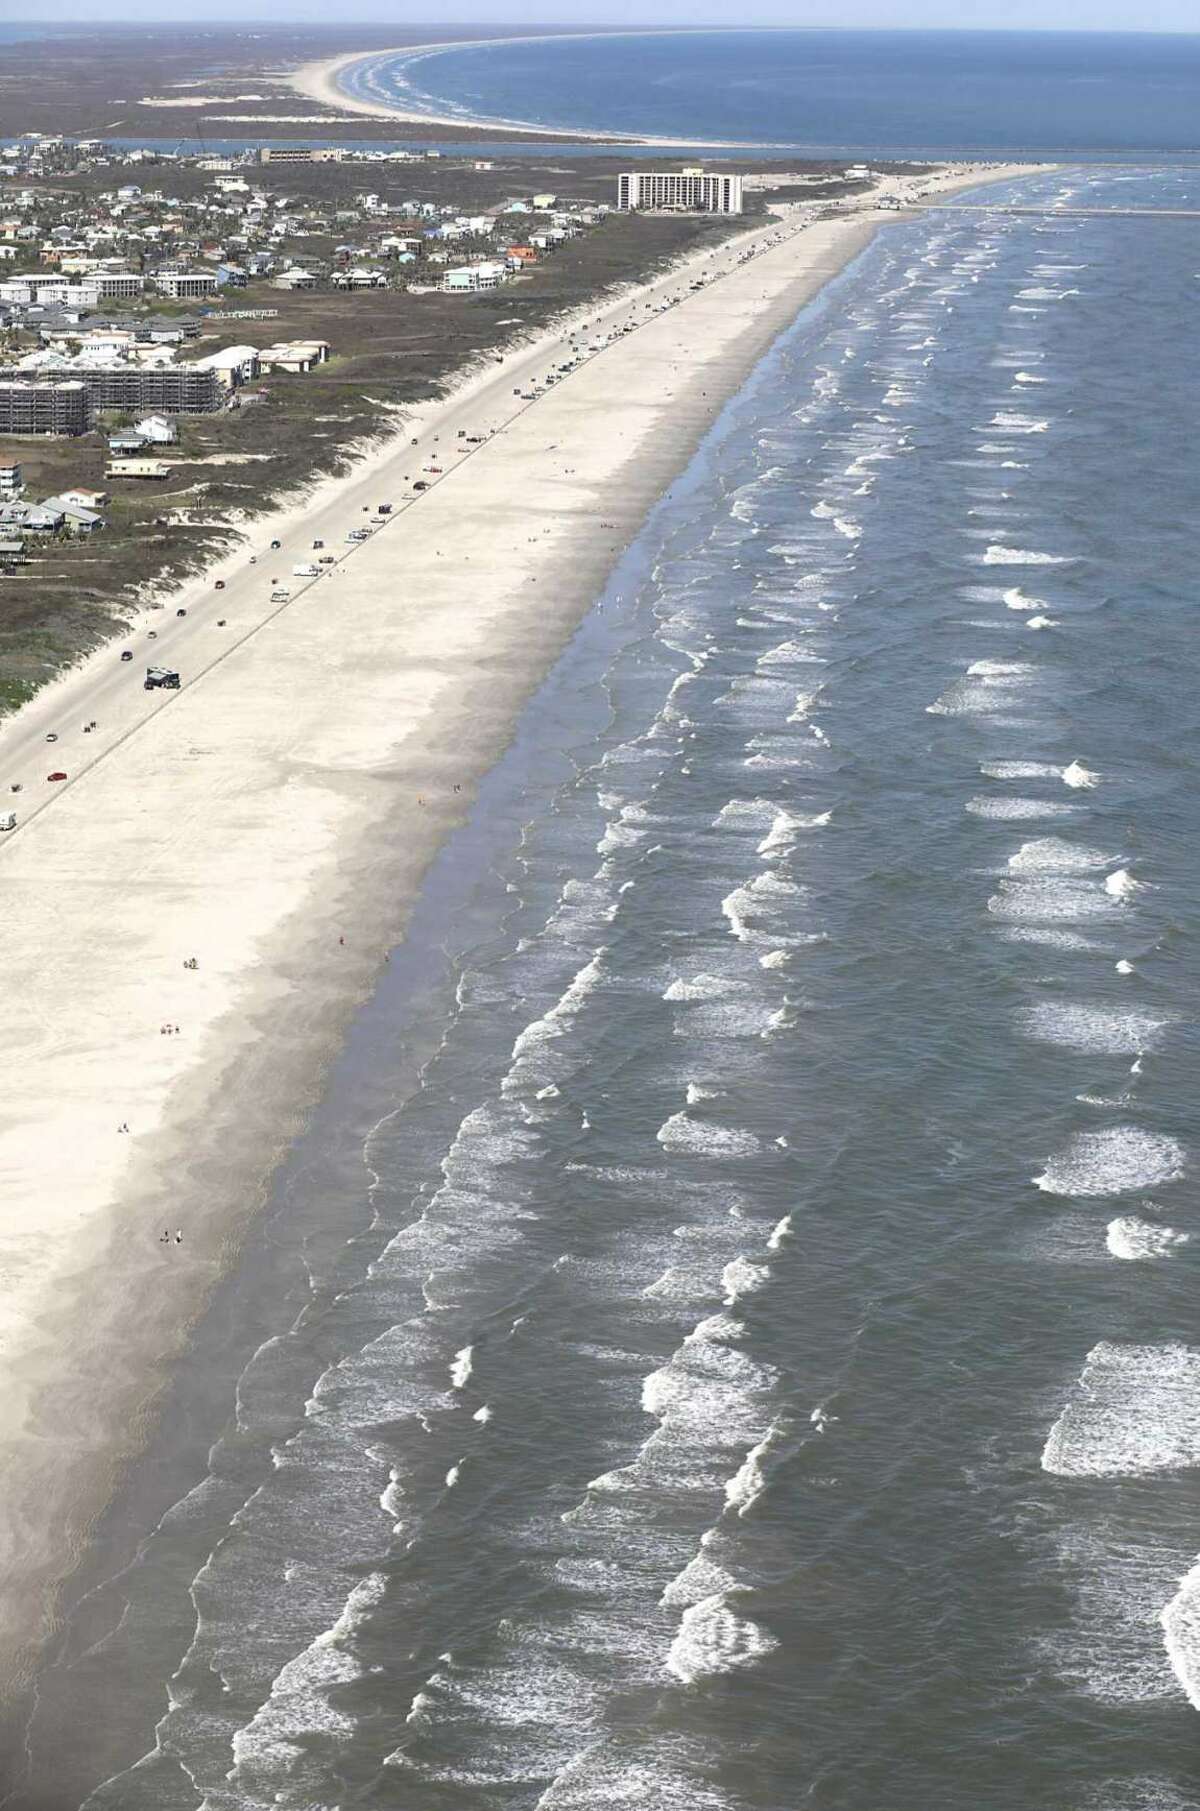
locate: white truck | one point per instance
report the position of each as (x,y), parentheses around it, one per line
(307,571)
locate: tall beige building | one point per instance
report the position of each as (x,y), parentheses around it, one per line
(687,191)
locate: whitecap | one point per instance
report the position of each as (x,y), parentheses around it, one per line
(1135,1411)
(1114,1161)
(713,1641)
(1134,1239)
(1092,1030)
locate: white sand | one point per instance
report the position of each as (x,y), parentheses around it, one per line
(293,792)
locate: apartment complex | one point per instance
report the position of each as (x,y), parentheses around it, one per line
(687,191)
(173,390)
(44,408)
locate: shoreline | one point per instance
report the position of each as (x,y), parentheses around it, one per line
(294,793)
(319,81)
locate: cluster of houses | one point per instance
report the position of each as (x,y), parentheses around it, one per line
(71,511)
(103,291)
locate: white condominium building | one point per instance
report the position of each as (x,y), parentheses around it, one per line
(688,191)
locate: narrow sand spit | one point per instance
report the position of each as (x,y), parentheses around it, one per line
(289,796)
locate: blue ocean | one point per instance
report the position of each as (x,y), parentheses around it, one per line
(883,91)
(728,1340)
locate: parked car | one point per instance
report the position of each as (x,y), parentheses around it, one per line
(274,545)
(56,775)
(181,612)
(127,655)
(317,544)
(53,736)
(220,584)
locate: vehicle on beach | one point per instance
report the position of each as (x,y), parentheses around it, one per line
(53,736)
(357,534)
(307,571)
(327,559)
(280,597)
(181,612)
(56,775)
(317,544)
(220,584)
(128,654)
(384,509)
(420,485)
(8,821)
(160,679)
(275,545)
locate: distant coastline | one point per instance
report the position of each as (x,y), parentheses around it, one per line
(322,81)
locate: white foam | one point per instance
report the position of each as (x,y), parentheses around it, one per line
(1122,885)
(460,1369)
(1092,1029)
(1113,1162)
(1019,770)
(689,1137)
(785,827)
(713,1641)
(1022,556)
(1017,808)
(1181,1635)
(1016,599)
(1135,1411)
(1054,855)
(1077,775)
(700,987)
(743,1277)
(1134,1239)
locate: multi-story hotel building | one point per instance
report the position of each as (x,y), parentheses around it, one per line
(688,191)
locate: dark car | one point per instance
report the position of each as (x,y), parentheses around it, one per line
(56,776)
(181,612)
(276,544)
(220,585)
(420,485)
(127,655)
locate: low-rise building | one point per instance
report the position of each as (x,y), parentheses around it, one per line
(11,482)
(466,279)
(137,468)
(294,355)
(233,365)
(185,285)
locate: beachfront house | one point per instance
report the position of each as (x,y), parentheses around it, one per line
(465,279)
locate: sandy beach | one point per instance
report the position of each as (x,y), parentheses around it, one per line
(272,821)
(319,81)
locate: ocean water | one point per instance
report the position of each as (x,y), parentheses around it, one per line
(902,92)
(728,1341)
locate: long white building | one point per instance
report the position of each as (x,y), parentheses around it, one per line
(687,191)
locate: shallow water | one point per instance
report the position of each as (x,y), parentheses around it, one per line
(728,1339)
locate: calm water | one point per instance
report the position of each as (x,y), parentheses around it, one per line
(729,1341)
(882,90)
